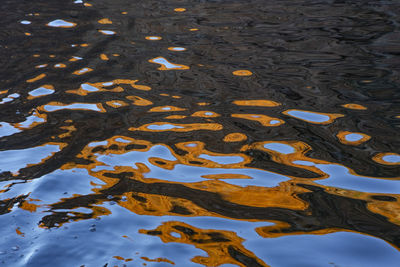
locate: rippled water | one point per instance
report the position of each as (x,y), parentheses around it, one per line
(189,133)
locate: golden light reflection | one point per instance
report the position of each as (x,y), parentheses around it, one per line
(242,73)
(387,158)
(60,65)
(235,137)
(166,65)
(287,152)
(158,260)
(175,117)
(104,57)
(116,103)
(256,103)
(217,244)
(263,119)
(60,23)
(111,86)
(105,21)
(174,127)
(82,71)
(347,138)
(205,114)
(54,106)
(354,106)
(180,9)
(166,109)
(139,101)
(37,78)
(153,38)
(176,49)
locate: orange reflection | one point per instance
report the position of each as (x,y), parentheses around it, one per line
(37,78)
(256,103)
(166,65)
(175,117)
(139,101)
(104,57)
(354,106)
(180,9)
(87,88)
(153,38)
(166,109)
(174,127)
(116,103)
(60,65)
(235,137)
(82,71)
(242,73)
(39,118)
(387,158)
(359,138)
(203,104)
(29,206)
(177,49)
(263,119)
(19,232)
(286,152)
(158,260)
(217,244)
(205,114)
(54,106)
(105,21)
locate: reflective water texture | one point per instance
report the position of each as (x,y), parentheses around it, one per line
(200,133)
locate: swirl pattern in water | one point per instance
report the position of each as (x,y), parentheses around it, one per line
(200,133)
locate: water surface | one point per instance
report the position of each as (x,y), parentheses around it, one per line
(199,133)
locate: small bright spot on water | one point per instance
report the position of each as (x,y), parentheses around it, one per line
(153,38)
(25,22)
(61,23)
(107,32)
(242,73)
(175,234)
(177,49)
(353,137)
(191,145)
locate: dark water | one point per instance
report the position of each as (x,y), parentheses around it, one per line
(221,133)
